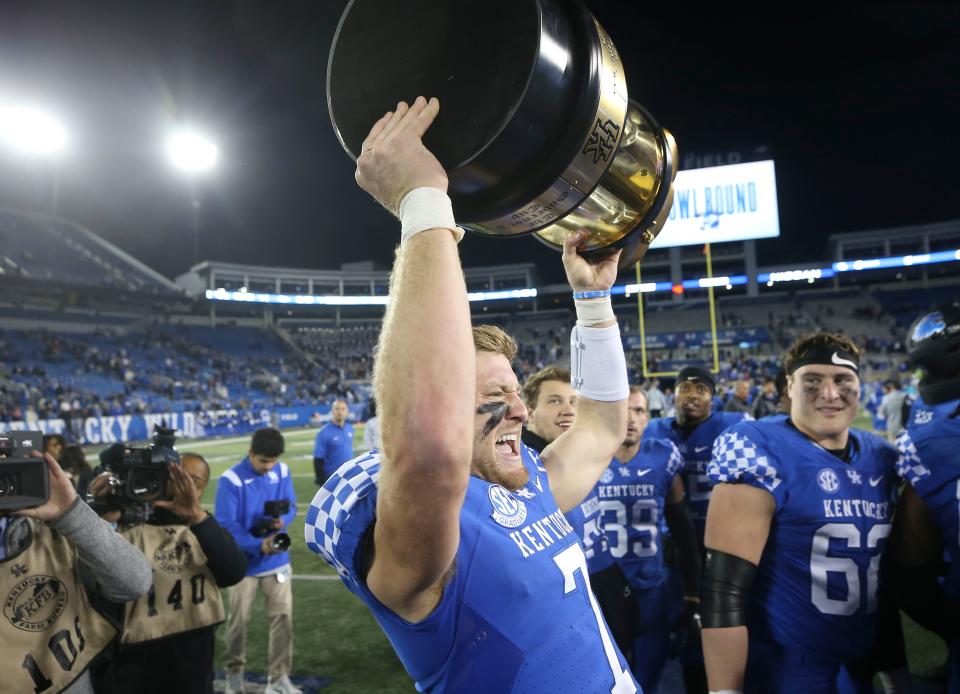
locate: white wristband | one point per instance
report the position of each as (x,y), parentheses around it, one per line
(726,691)
(427,208)
(591,312)
(598,368)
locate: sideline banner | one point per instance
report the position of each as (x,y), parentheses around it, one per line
(189,425)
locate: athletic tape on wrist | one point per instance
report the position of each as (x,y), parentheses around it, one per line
(427,208)
(591,312)
(598,368)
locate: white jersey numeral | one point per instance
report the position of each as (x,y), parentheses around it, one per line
(644,518)
(571,561)
(822,564)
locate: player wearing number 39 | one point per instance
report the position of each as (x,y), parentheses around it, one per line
(797,524)
(454,535)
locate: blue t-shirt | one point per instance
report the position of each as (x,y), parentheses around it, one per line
(518,614)
(816,586)
(241,494)
(695,446)
(631,498)
(335,445)
(929,460)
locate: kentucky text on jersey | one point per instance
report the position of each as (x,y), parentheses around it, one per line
(609,491)
(856,508)
(537,535)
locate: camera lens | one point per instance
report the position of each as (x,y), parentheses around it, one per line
(281,542)
(8,485)
(146,484)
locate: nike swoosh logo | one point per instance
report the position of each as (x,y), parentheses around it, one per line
(875,482)
(700,449)
(641,473)
(840,361)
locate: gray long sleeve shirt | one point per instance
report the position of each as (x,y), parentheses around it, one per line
(108,564)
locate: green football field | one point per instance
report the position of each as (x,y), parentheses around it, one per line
(334,634)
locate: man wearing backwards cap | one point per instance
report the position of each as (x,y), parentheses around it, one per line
(797,525)
(693,430)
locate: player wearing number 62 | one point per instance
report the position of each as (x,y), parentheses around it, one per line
(167,641)
(797,524)
(454,535)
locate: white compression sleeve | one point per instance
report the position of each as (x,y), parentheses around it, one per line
(598,367)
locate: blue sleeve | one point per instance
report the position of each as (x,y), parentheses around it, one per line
(737,459)
(318,445)
(226,512)
(288,493)
(909,466)
(675,462)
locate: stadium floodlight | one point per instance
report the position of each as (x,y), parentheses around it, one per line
(32,132)
(192,152)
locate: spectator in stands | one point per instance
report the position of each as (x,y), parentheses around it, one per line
(552,406)
(655,400)
(891,408)
(334,444)
(765,404)
(739,401)
(167,644)
(242,492)
(53,444)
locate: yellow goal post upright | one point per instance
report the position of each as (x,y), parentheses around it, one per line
(713,322)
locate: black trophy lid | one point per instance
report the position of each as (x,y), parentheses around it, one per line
(476,57)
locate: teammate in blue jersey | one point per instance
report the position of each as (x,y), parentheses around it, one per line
(454,534)
(640,488)
(695,427)
(927,526)
(797,526)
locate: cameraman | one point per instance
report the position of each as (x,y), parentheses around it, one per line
(51,631)
(167,642)
(243,493)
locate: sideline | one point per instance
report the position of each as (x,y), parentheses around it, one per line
(207,443)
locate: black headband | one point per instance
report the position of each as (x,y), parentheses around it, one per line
(695,373)
(825,354)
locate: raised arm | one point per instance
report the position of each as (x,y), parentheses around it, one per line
(425,371)
(738,523)
(577,458)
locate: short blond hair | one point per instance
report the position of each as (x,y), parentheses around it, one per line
(490,338)
(531,389)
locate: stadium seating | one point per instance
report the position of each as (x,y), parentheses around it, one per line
(40,247)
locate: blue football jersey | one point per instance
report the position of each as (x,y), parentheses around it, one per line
(929,460)
(632,496)
(517,615)
(816,586)
(695,447)
(585,519)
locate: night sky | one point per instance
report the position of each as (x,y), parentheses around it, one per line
(859,106)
